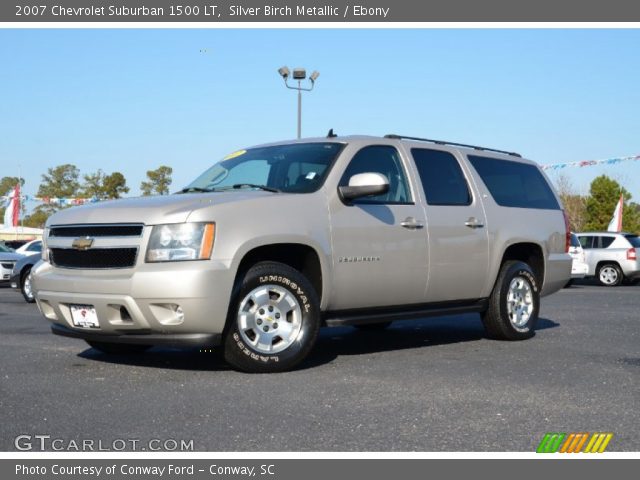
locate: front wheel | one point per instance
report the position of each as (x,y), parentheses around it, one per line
(514,303)
(273,321)
(26,287)
(610,275)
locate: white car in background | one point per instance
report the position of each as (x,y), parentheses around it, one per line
(579,266)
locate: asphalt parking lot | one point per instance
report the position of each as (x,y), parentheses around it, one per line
(429,385)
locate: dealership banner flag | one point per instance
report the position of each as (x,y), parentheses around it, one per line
(12,213)
(615,225)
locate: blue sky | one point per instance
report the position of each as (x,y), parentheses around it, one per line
(131,100)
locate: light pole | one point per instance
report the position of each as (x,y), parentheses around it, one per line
(299,74)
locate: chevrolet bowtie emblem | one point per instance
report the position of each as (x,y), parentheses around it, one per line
(82,243)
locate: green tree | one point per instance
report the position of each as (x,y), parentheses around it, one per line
(573,203)
(59,182)
(603,196)
(115,185)
(102,186)
(37,219)
(158,181)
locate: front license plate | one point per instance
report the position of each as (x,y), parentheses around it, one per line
(84,316)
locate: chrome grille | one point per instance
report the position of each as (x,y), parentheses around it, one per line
(97,230)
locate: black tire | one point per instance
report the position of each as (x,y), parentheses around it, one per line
(374,326)
(283,280)
(25,288)
(497,320)
(118,348)
(612,273)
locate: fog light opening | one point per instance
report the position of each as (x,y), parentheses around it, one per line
(179,313)
(125,316)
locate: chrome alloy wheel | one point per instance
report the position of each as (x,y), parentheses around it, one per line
(520,302)
(269,319)
(608,275)
(28,290)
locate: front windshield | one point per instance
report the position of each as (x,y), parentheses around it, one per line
(5,249)
(574,241)
(295,168)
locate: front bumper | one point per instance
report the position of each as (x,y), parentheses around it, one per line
(177,339)
(5,274)
(178,303)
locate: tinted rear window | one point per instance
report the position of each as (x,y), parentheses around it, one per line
(633,240)
(606,241)
(515,184)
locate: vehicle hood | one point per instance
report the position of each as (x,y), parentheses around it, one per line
(29,260)
(155,210)
(10,257)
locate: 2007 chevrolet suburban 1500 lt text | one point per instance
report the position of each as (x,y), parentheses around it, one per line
(275,241)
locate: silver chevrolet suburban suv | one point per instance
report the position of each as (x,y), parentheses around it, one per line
(276,241)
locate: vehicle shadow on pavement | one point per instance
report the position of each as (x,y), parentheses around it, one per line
(332,343)
(407,334)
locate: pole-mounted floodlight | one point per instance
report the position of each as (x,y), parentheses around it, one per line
(284,72)
(299,74)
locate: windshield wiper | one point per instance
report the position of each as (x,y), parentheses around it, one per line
(254,185)
(195,189)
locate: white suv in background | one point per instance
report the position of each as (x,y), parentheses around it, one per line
(611,257)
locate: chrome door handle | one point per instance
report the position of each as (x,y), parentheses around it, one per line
(473,222)
(411,223)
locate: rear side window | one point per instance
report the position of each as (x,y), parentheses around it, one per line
(586,242)
(515,184)
(606,241)
(442,178)
(634,240)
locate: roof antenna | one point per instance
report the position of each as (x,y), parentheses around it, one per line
(331,134)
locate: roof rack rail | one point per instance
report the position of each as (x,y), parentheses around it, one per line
(443,142)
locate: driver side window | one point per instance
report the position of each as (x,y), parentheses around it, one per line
(382,159)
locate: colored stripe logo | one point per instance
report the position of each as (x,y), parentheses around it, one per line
(583,442)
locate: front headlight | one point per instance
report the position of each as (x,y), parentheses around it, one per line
(182,241)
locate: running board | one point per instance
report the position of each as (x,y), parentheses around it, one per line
(363,316)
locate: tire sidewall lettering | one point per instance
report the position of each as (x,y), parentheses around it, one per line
(529,276)
(292,286)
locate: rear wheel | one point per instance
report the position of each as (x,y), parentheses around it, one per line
(274,319)
(118,348)
(514,303)
(610,275)
(26,286)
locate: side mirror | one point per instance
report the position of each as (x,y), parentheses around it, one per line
(364,185)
